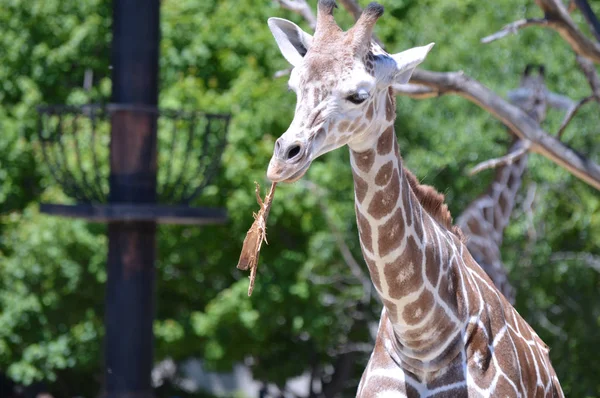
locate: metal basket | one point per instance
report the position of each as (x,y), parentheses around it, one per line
(75,144)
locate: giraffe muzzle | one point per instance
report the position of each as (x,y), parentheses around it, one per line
(290,161)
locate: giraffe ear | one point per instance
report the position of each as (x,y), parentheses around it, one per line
(293,42)
(407,61)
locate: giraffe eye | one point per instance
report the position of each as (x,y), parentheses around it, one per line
(358,97)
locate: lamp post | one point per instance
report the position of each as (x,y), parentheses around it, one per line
(131,207)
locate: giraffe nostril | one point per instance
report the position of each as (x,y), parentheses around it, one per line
(293,152)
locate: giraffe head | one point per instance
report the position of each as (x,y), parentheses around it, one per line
(342,82)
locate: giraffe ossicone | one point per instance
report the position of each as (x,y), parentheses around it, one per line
(445,330)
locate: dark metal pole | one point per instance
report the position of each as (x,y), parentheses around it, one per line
(131,253)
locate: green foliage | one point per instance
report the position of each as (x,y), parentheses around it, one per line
(219,56)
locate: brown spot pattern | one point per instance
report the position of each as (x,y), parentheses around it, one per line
(422,339)
(479,358)
(417,310)
(453,374)
(432,261)
(360,187)
(364,160)
(391,233)
(392,309)
(404,276)
(503,204)
(364,229)
(447,291)
(384,174)
(386,199)
(390,108)
(385,141)
(406,202)
(474,226)
(374,273)
(503,389)
(343,126)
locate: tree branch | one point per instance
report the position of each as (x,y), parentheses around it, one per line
(589,16)
(302,8)
(417,91)
(352,7)
(569,116)
(589,70)
(514,118)
(588,259)
(513,28)
(501,161)
(560,20)
(556,17)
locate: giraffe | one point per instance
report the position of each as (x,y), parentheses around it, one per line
(445,330)
(484,220)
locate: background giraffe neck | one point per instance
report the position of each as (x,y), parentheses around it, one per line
(409,255)
(489,214)
(484,221)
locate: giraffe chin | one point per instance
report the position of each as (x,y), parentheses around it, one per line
(281,175)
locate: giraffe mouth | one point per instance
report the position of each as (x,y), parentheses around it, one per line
(282,172)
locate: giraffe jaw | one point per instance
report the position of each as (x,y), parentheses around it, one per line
(281,172)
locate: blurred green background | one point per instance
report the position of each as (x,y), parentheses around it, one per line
(307,312)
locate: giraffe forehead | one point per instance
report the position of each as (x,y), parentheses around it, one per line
(326,73)
(326,67)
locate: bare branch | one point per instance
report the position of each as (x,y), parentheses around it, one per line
(513,28)
(527,206)
(415,91)
(589,70)
(302,8)
(559,19)
(569,116)
(352,7)
(549,326)
(589,16)
(515,119)
(353,347)
(281,73)
(501,161)
(556,17)
(589,259)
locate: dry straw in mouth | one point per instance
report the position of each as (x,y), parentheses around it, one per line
(256,235)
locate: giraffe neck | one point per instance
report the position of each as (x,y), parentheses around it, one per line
(505,188)
(410,257)
(488,216)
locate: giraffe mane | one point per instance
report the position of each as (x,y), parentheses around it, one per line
(433,203)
